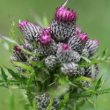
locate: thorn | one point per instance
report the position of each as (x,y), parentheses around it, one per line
(65,3)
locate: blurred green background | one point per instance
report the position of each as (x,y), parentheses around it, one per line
(93,18)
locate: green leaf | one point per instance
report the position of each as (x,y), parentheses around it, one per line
(15,43)
(4,76)
(23,66)
(86,59)
(98,84)
(45,21)
(6,45)
(66,97)
(34,104)
(104,53)
(13,74)
(105,91)
(12,102)
(83,78)
(50,104)
(10,40)
(12,30)
(91,102)
(39,64)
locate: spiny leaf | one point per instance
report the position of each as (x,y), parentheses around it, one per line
(104,53)
(105,91)
(23,66)
(66,97)
(15,43)
(10,40)
(4,76)
(91,102)
(83,78)
(45,21)
(86,59)
(13,74)
(98,84)
(12,30)
(34,104)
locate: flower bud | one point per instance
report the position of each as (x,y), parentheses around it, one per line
(66,54)
(51,62)
(77,43)
(30,31)
(92,71)
(48,49)
(92,46)
(43,101)
(78,30)
(18,55)
(45,37)
(70,69)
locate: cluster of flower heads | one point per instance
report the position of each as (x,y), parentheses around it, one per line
(61,45)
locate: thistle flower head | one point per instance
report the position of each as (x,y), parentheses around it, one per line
(83,36)
(92,46)
(43,102)
(65,14)
(96,42)
(69,68)
(66,54)
(45,37)
(22,24)
(30,31)
(63,47)
(28,46)
(51,62)
(78,30)
(18,55)
(17,48)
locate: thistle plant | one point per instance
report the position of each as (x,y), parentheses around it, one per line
(56,66)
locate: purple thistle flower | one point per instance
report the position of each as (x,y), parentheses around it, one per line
(30,31)
(64,23)
(78,30)
(45,37)
(64,47)
(92,46)
(23,24)
(65,14)
(83,37)
(17,49)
